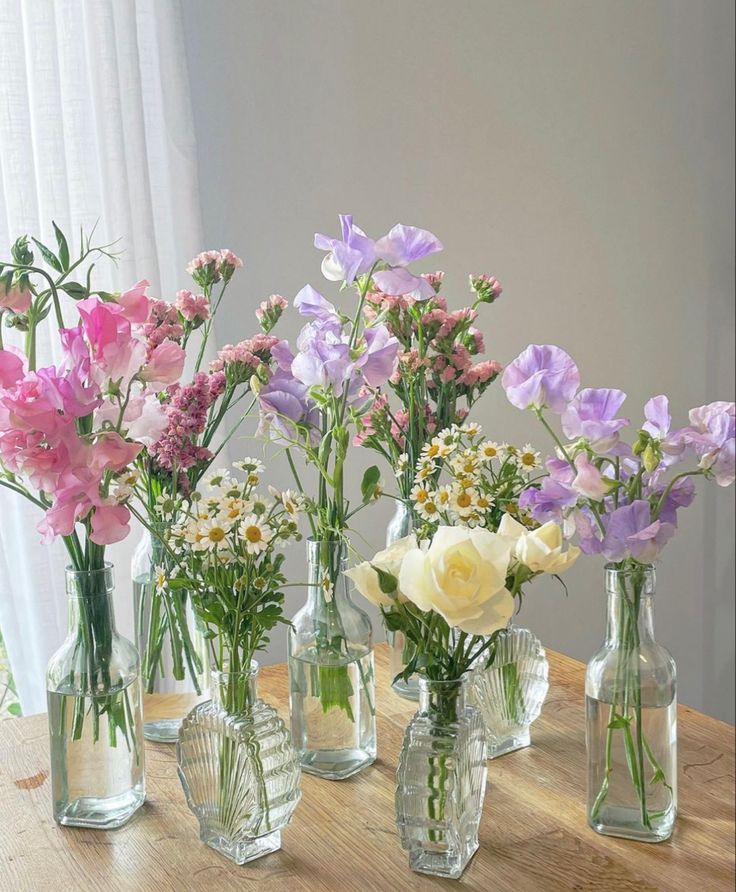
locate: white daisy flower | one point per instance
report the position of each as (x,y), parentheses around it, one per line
(420,493)
(471,428)
(528,458)
(443,497)
(509,451)
(428,510)
(250,465)
(464,501)
(402,463)
(293,502)
(160,579)
(165,507)
(327,588)
(465,463)
(489,450)
(255,533)
(212,534)
(425,470)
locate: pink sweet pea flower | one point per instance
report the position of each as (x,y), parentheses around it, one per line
(164,366)
(16,299)
(11,367)
(134,302)
(112,453)
(110,524)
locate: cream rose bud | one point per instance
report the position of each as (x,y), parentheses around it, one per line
(542,549)
(461,576)
(366,579)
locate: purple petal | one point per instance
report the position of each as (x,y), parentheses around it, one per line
(310,302)
(405,244)
(400,281)
(541,376)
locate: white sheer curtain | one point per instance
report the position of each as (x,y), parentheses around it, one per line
(95,124)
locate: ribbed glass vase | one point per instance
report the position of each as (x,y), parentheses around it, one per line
(93,691)
(511,691)
(441,780)
(170,643)
(331,671)
(401,650)
(239,771)
(631,716)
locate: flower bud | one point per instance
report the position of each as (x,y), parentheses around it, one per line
(650,459)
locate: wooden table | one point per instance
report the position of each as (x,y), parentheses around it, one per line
(343,838)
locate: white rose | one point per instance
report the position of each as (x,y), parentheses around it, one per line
(365,577)
(542,549)
(461,576)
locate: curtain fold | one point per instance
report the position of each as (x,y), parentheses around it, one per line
(95,128)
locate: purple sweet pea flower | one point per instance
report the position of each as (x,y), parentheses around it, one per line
(284,404)
(405,244)
(592,415)
(311,303)
(281,352)
(541,376)
(555,494)
(349,257)
(402,246)
(658,425)
(378,361)
(588,481)
(323,358)
(632,533)
(711,435)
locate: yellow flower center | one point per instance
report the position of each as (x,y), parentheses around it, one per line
(253,533)
(490,452)
(528,459)
(216,534)
(433,450)
(421,496)
(430,508)
(464,500)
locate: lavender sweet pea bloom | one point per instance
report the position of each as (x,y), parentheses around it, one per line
(400,247)
(632,533)
(284,404)
(658,425)
(592,415)
(347,258)
(311,303)
(711,435)
(323,357)
(681,495)
(555,494)
(378,362)
(541,376)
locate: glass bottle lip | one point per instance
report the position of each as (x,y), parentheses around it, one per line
(73,573)
(223,676)
(441,685)
(628,569)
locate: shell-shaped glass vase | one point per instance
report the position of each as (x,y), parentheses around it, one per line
(238,768)
(511,691)
(441,780)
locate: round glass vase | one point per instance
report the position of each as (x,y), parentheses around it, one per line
(237,766)
(93,692)
(631,716)
(331,671)
(441,780)
(172,649)
(511,691)
(401,651)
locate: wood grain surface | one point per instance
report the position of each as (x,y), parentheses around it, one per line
(343,838)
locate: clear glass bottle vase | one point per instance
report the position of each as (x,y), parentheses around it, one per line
(94,711)
(511,691)
(237,766)
(400,649)
(331,671)
(441,780)
(631,716)
(172,649)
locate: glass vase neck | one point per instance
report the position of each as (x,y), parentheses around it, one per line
(326,563)
(630,593)
(90,592)
(235,692)
(443,699)
(401,524)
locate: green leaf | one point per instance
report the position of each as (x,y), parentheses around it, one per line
(369,483)
(75,290)
(14,709)
(21,252)
(49,256)
(63,246)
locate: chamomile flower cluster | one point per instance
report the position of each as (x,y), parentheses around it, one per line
(462,479)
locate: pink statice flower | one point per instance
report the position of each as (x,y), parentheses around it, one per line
(487,288)
(193,308)
(162,324)
(270,310)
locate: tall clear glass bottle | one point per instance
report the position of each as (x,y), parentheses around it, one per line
(237,766)
(441,780)
(331,671)
(171,646)
(94,709)
(401,650)
(631,716)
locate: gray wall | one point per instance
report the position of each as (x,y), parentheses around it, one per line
(580,151)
